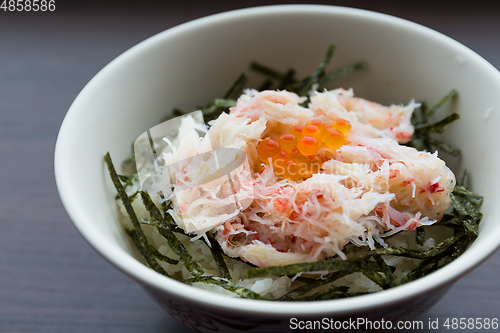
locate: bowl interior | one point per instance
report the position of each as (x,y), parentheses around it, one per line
(191,64)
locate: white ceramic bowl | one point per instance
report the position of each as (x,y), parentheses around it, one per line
(195,62)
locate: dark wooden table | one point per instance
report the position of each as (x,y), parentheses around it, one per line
(50,279)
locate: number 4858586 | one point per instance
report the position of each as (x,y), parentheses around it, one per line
(28,5)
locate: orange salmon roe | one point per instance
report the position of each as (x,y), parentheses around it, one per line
(267,148)
(308,145)
(333,139)
(287,142)
(318,123)
(313,131)
(296,156)
(313,164)
(292,171)
(299,154)
(341,125)
(279,162)
(297,131)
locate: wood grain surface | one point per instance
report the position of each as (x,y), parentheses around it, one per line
(50,279)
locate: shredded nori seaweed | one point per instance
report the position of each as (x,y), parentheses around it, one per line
(332,293)
(152,251)
(438,126)
(304,86)
(342,72)
(422,139)
(308,267)
(232,287)
(427,113)
(214,109)
(139,238)
(464,217)
(287,81)
(311,285)
(174,243)
(420,236)
(218,255)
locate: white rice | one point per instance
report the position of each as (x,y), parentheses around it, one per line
(275,287)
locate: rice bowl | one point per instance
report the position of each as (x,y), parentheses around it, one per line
(97,220)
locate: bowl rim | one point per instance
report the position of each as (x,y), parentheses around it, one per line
(203,298)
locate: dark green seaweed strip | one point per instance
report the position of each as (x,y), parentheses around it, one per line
(429,112)
(462,190)
(450,220)
(465,177)
(414,254)
(133,196)
(372,271)
(162,257)
(465,221)
(432,263)
(167,217)
(216,250)
(443,146)
(421,139)
(140,240)
(161,225)
(164,206)
(417,117)
(266,71)
(332,293)
(342,72)
(154,223)
(237,88)
(303,87)
(224,103)
(173,241)
(425,267)
(438,126)
(213,110)
(467,212)
(152,251)
(221,264)
(350,248)
(464,208)
(458,248)
(129,179)
(465,205)
(300,291)
(317,266)
(218,255)
(420,236)
(232,287)
(304,279)
(266,85)
(129,160)
(419,142)
(177,112)
(386,270)
(287,80)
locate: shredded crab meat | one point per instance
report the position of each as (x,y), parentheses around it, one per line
(369,188)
